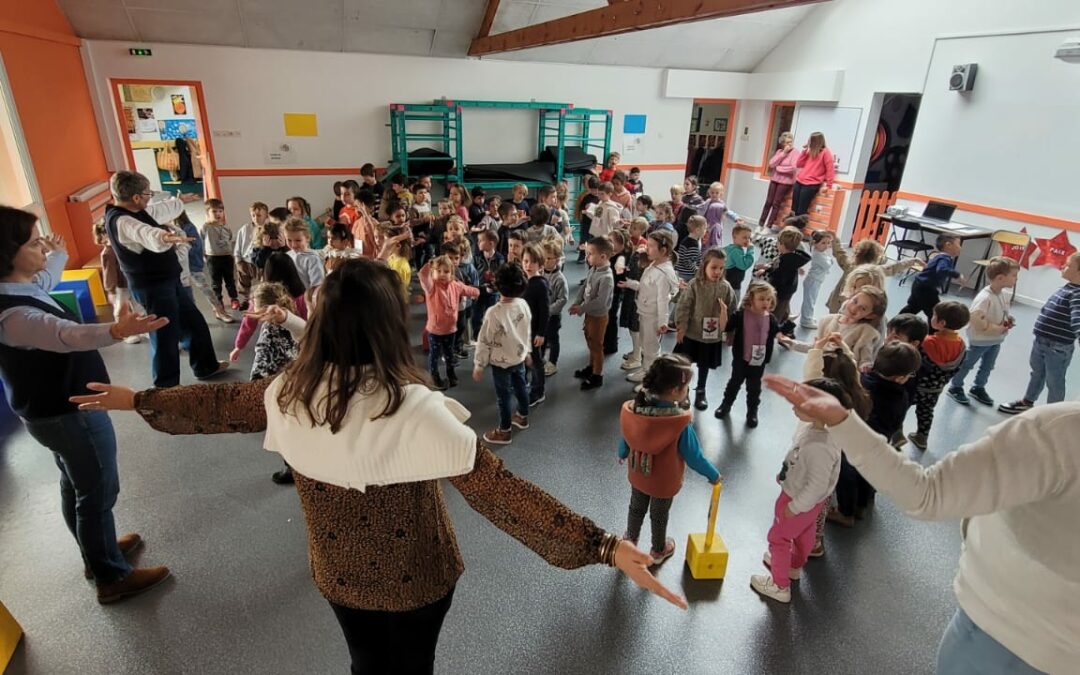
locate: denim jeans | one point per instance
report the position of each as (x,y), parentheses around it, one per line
(441,347)
(985,356)
(967,650)
(536,374)
(1049,361)
(510,384)
(84,448)
(172,301)
(810,289)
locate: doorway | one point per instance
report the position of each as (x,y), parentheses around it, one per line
(166,138)
(892,140)
(708,150)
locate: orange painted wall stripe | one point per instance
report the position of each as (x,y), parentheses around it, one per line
(1008,214)
(296,171)
(744,167)
(17,28)
(675,166)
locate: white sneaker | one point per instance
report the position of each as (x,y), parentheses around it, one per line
(636,377)
(550,369)
(808,325)
(630,365)
(133,339)
(793,572)
(224,317)
(764,585)
(628,356)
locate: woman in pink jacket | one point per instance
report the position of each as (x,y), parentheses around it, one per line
(783,169)
(816,168)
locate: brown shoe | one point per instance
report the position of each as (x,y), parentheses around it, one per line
(498,437)
(141,579)
(222,367)
(128,544)
(520,421)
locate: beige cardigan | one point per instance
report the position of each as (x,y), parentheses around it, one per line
(1017,490)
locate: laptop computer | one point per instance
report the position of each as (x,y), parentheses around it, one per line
(937,212)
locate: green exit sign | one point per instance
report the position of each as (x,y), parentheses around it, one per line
(139,51)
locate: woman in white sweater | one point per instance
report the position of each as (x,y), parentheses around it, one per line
(1017,491)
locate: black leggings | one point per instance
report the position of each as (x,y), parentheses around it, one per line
(222,270)
(658,510)
(741,372)
(393,642)
(802,196)
(702,376)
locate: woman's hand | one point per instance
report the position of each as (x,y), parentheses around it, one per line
(634,563)
(173,238)
(129,323)
(812,402)
(112,397)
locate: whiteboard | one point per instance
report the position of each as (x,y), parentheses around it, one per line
(840,126)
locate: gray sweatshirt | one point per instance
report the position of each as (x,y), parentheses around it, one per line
(595,295)
(217,239)
(557,291)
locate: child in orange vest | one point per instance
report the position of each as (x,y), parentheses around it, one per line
(658,442)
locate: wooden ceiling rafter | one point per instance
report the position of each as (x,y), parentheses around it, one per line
(619,16)
(489,18)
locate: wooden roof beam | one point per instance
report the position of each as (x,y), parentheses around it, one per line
(489,18)
(617,18)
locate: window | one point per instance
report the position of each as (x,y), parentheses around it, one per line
(780,120)
(17,185)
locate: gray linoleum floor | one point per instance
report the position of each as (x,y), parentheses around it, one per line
(242,601)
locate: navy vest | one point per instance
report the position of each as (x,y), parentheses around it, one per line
(142,269)
(37,382)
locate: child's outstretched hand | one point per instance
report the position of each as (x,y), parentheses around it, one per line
(477,374)
(680,335)
(234,355)
(575,310)
(538,341)
(664,328)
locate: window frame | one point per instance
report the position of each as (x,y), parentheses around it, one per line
(774,110)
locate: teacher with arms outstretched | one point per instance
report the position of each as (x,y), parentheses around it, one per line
(367,441)
(1017,490)
(46,356)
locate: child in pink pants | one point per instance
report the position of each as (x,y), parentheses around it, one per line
(807,478)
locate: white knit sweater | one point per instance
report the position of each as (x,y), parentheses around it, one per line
(1017,490)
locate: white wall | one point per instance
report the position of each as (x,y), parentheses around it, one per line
(1014,141)
(247,90)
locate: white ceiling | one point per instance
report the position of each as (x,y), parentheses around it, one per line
(426,28)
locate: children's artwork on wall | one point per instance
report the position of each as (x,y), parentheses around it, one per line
(1054,251)
(181,128)
(1021,254)
(179,105)
(720,125)
(145,122)
(129,119)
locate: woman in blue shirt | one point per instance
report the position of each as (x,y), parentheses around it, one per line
(42,342)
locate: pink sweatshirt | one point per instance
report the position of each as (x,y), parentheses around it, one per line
(442,302)
(248,325)
(783,165)
(816,170)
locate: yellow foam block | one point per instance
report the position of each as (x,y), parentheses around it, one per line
(10,634)
(706,562)
(92,277)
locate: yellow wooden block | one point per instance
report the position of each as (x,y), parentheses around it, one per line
(10,634)
(92,277)
(706,563)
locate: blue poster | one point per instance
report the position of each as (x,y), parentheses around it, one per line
(178,128)
(633,124)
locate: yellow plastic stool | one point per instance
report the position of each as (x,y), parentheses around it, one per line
(706,554)
(92,277)
(10,634)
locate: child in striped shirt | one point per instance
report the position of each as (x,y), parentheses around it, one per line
(1056,332)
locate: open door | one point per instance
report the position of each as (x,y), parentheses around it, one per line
(708,148)
(166,136)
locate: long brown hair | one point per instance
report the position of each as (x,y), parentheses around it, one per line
(838,366)
(816,144)
(357,342)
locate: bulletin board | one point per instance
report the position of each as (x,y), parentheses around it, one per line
(840,126)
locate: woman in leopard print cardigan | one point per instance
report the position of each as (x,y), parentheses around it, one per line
(385,555)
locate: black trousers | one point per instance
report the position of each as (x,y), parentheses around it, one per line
(924,297)
(222,269)
(741,372)
(735,276)
(611,333)
(853,492)
(802,196)
(658,509)
(393,642)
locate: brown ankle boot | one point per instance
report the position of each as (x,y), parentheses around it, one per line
(141,579)
(128,544)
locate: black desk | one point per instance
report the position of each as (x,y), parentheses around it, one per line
(960,230)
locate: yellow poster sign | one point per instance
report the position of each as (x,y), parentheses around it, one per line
(301,124)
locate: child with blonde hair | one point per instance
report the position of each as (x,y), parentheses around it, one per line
(715,210)
(739,256)
(857,323)
(820,263)
(701,318)
(658,442)
(444,293)
(275,347)
(308,263)
(751,333)
(866,252)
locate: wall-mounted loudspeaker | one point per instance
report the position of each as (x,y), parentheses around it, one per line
(963,77)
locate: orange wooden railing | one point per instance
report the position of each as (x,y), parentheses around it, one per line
(867,223)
